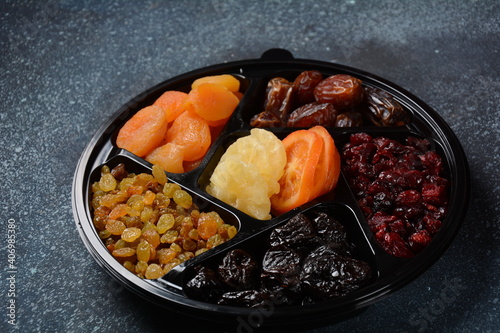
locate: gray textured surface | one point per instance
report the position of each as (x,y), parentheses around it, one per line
(66,66)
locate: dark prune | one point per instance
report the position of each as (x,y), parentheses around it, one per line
(205,285)
(304,85)
(313,114)
(329,229)
(328,275)
(281,267)
(249,298)
(298,231)
(266,119)
(349,119)
(342,90)
(238,270)
(279,97)
(383,109)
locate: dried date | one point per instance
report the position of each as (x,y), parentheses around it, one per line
(383,109)
(313,114)
(343,91)
(304,86)
(349,119)
(279,97)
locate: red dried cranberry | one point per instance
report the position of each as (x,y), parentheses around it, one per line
(394,244)
(419,240)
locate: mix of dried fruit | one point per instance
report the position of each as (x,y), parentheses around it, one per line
(177,130)
(309,259)
(400,188)
(151,225)
(339,100)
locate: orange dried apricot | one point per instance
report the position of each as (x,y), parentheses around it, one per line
(169,156)
(226,80)
(192,134)
(173,102)
(212,101)
(144,131)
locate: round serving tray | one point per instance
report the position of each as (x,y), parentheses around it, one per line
(391,273)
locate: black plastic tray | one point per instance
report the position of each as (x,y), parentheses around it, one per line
(391,273)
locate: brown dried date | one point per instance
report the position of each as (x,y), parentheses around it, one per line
(383,109)
(266,119)
(342,90)
(349,119)
(304,86)
(279,97)
(313,114)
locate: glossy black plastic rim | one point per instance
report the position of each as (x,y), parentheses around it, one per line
(428,123)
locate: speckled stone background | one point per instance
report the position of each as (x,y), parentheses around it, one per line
(66,66)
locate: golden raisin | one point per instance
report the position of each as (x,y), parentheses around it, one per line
(183,199)
(165,222)
(131,234)
(123,252)
(143,251)
(115,227)
(154,271)
(107,182)
(159,174)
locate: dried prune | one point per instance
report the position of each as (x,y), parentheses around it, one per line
(313,114)
(298,231)
(342,90)
(304,85)
(238,270)
(281,267)
(349,119)
(327,275)
(249,298)
(384,110)
(310,262)
(205,285)
(329,229)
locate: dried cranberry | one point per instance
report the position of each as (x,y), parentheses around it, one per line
(419,240)
(394,244)
(400,189)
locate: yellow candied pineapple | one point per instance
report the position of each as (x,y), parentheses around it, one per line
(247,174)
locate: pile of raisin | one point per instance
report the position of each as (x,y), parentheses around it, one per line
(339,100)
(307,260)
(149,224)
(401,189)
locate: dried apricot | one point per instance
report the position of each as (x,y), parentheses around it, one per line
(225,80)
(169,156)
(191,134)
(173,102)
(213,102)
(144,131)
